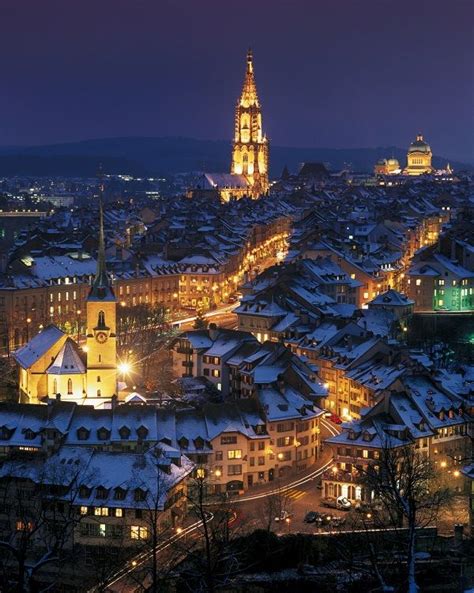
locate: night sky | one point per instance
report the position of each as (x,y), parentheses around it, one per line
(330,73)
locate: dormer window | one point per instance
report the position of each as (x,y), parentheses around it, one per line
(83,434)
(29,434)
(5,433)
(139,495)
(102,492)
(103,434)
(124,433)
(120,493)
(366,436)
(84,492)
(183,443)
(352,435)
(142,432)
(451,413)
(199,443)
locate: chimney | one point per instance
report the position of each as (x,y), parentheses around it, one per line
(213,331)
(113,401)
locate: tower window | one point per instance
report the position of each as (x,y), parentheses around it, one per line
(69,386)
(99,393)
(55,386)
(101,321)
(98,379)
(100,357)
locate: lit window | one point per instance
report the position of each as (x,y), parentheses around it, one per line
(234,454)
(366,295)
(440,302)
(101,511)
(84,510)
(200,473)
(119,512)
(418,281)
(138,532)
(365,454)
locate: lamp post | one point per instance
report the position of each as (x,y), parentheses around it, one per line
(78,312)
(28,321)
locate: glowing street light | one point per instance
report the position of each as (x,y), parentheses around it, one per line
(124,367)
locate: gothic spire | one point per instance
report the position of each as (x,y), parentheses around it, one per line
(101,287)
(249,95)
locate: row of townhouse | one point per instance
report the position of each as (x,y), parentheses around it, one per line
(76,498)
(416,411)
(285,390)
(53,289)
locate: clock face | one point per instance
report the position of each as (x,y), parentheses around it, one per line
(101,337)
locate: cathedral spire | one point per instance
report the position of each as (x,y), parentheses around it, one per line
(101,287)
(249,95)
(250,150)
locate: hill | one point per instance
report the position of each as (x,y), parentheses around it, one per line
(163,156)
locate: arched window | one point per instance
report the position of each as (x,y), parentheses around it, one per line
(99,393)
(69,386)
(101,321)
(55,386)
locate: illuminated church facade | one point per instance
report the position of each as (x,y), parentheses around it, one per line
(250,149)
(52,365)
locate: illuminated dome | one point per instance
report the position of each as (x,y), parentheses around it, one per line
(393,162)
(419,145)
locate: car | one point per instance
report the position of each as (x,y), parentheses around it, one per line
(335,419)
(337,521)
(344,503)
(311,517)
(327,414)
(283,516)
(336,503)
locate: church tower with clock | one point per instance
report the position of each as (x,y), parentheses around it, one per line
(101,329)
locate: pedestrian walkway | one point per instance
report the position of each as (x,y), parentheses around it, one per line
(295,494)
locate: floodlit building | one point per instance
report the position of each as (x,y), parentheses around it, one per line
(419,157)
(53,365)
(250,150)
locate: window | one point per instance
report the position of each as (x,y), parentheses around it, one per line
(234,454)
(119,512)
(200,473)
(84,510)
(261,446)
(228,440)
(261,460)
(101,512)
(216,373)
(218,455)
(234,470)
(252,461)
(69,386)
(365,454)
(138,532)
(140,495)
(418,282)
(285,426)
(284,441)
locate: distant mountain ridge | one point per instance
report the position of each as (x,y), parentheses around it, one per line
(169,155)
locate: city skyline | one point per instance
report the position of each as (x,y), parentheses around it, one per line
(353,84)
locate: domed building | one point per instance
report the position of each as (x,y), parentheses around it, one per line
(387,167)
(419,157)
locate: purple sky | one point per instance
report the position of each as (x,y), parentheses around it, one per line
(335,73)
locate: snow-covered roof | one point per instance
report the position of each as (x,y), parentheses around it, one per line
(68,360)
(31,352)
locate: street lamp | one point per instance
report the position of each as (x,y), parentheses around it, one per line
(28,321)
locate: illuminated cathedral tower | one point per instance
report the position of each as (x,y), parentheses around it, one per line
(250,150)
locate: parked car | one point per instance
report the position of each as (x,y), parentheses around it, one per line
(312,517)
(335,419)
(337,521)
(283,516)
(336,503)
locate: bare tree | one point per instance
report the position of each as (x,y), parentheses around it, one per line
(407,485)
(38,504)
